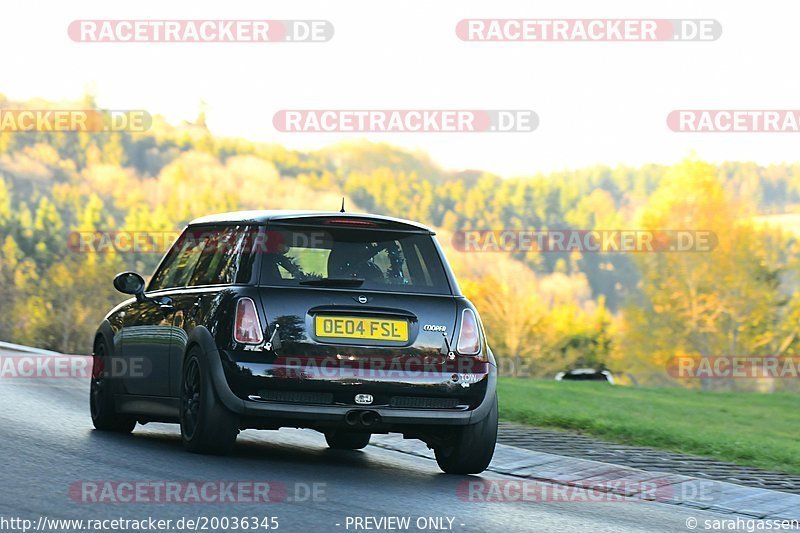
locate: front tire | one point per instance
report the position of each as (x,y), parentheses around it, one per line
(347,440)
(101,395)
(471,448)
(206,426)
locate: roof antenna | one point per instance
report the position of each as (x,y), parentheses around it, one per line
(342,210)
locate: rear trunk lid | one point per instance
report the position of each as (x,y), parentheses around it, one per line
(343,323)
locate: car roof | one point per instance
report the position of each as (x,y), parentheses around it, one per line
(285,215)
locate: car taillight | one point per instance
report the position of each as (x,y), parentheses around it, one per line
(351,222)
(469,337)
(247,328)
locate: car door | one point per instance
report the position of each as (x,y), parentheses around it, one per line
(148,326)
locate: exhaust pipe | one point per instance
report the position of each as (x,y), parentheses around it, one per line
(351,418)
(368,418)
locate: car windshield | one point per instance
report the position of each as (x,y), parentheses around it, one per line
(353,258)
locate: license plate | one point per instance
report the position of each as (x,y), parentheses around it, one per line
(347,327)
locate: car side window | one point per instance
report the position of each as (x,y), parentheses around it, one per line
(219,261)
(179,264)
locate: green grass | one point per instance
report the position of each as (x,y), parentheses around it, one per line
(745,428)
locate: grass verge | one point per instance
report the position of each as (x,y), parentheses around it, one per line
(745,428)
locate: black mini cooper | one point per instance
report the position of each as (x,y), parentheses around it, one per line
(349,324)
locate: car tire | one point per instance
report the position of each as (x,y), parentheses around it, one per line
(207,427)
(101,395)
(347,440)
(471,448)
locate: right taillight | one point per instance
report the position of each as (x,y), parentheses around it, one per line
(247,328)
(469,336)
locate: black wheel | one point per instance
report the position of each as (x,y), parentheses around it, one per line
(206,426)
(471,449)
(340,439)
(101,395)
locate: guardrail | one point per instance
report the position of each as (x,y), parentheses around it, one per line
(25,349)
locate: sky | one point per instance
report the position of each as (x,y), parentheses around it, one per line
(597,102)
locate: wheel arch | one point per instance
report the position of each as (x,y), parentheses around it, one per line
(106,333)
(201,338)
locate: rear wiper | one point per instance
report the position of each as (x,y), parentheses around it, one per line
(333,282)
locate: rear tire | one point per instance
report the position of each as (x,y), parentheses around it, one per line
(206,425)
(101,395)
(347,440)
(471,449)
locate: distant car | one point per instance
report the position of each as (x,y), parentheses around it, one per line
(349,324)
(586,374)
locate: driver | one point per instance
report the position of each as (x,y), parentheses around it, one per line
(353,260)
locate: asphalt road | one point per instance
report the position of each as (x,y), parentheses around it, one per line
(48,446)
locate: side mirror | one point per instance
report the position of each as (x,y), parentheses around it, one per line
(129,283)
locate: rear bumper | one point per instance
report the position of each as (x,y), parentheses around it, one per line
(335,414)
(478,397)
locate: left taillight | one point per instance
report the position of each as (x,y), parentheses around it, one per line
(469,336)
(247,328)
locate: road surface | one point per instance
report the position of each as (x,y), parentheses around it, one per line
(56,466)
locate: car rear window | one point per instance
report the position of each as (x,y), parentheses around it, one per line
(383,259)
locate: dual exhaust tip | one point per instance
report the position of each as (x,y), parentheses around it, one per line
(362,418)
